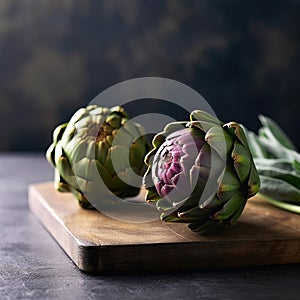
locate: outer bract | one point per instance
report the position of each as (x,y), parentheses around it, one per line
(83,148)
(201,172)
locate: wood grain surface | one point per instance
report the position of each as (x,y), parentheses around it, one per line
(264,235)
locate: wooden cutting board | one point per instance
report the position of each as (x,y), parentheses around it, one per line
(264,235)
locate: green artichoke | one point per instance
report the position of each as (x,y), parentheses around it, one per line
(98,141)
(200,172)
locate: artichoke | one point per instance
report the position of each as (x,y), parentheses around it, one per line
(98,141)
(200,172)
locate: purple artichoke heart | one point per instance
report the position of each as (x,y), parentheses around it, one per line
(200,172)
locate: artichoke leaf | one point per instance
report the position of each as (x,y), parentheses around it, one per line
(202,125)
(152,195)
(230,207)
(50,154)
(219,140)
(230,181)
(200,226)
(234,218)
(241,160)
(203,116)
(174,126)
(253,181)
(58,132)
(192,215)
(238,132)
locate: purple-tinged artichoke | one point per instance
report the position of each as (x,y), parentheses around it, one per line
(200,172)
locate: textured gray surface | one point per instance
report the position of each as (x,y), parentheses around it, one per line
(33,266)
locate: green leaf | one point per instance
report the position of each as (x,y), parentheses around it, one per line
(256,149)
(132,130)
(202,225)
(158,140)
(230,181)
(219,140)
(211,204)
(119,187)
(50,154)
(173,127)
(120,111)
(120,158)
(238,132)
(291,177)
(230,207)
(253,181)
(279,189)
(152,195)
(136,157)
(79,114)
(114,121)
(296,165)
(170,217)
(194,214)
(165,205)
(58,132)
(75,150)
(280,163)
(86,168)
(274,149)
(201,125)
(241,160)
(103,172)
(59,183)
(65,170)
(149,156)
(234,218)
(276,132)
(283,205)
(203,116)
(101,151)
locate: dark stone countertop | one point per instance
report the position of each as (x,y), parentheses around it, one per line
(33,266)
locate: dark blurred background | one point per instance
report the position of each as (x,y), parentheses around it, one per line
(57,55)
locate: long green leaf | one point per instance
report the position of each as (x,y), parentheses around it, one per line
(279,189)
(283,205)
(256,149)
(290,177)
(276,132)
(282,164)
